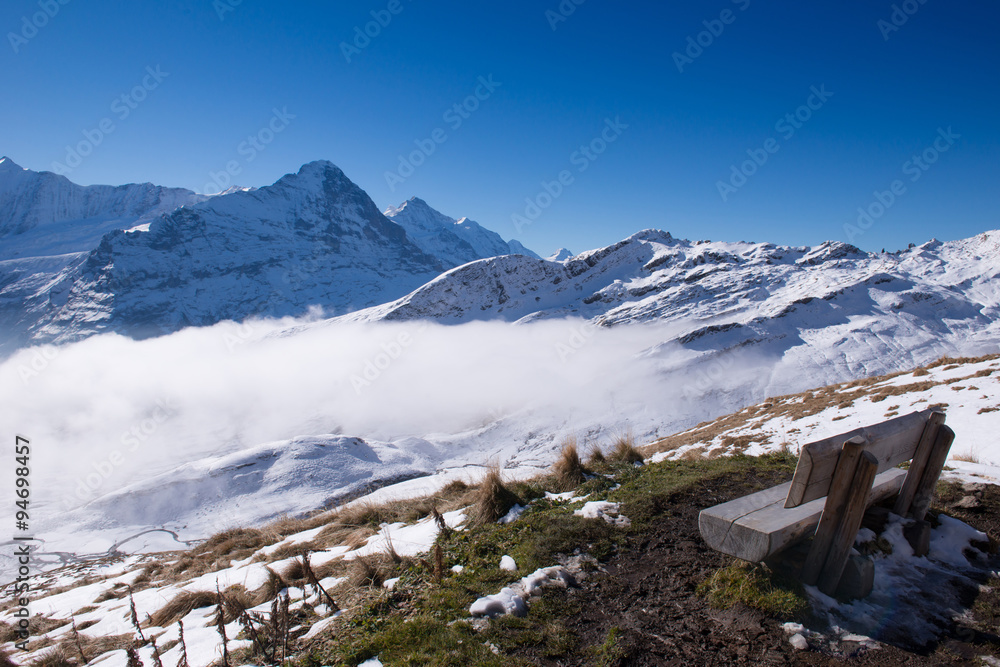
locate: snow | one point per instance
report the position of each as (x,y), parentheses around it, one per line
(565,497)
(319,626)
(514,599)
(266,419)
(602,509)
(507,564)
(371,662)
(407,540)
(914,598)
(456,242)
(951,538)
(513,514)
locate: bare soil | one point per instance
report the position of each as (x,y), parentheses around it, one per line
(648,594)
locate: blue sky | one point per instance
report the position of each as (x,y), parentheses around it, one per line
(213,74)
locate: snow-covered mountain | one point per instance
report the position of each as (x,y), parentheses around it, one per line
(145,260)
(456,242)
(560,255)
(865,306)
(44,214)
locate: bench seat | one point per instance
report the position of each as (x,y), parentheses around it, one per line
(758,526)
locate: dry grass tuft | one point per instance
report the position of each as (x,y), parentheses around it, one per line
(625,450)
(969,456)
(568,470)
(294,573)
(349,536)
(56,657)
(492,499)
(596,458)
(181,606)
(237,599)
(5,660)
(366,572)
(270,589)
(95,646)
(454,488)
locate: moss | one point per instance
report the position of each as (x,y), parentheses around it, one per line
(757,587)
(610,652)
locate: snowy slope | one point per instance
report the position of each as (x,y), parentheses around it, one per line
(312,239)
(876,312)
(456,242)
(968,390)
(44,214)
(249,486)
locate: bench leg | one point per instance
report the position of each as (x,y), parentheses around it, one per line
(928,481)
(836,504)
(858,579)
(850,522)
(918,464)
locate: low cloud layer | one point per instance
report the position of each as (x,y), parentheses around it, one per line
(109,411)
(126,409)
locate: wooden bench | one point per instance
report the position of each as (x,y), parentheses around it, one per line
(836,480)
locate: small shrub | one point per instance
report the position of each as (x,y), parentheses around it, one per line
(624,450)
(366,572)
(568,469)
(596,458)
(493,499)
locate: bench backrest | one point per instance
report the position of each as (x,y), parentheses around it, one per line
(891,442)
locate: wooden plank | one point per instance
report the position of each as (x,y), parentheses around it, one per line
(847,529)
(757,526)
(928,481)
(919,463)
(891,442)
(833,509)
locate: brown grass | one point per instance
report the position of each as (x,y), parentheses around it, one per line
(366,572)
(492,499)
(95,646)
(568,470)
(624,450)
(809,403)
(5,660)
(596,458)
(181,606)
(969,456)
(56,657)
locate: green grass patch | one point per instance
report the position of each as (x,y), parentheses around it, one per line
(755,586)
(646,492)
(609,653)
(423,622)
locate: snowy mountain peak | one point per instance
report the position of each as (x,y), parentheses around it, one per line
(456,241)
(560,255)
(6,164)
(653,235)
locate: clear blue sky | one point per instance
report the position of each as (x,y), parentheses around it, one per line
(557,88)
